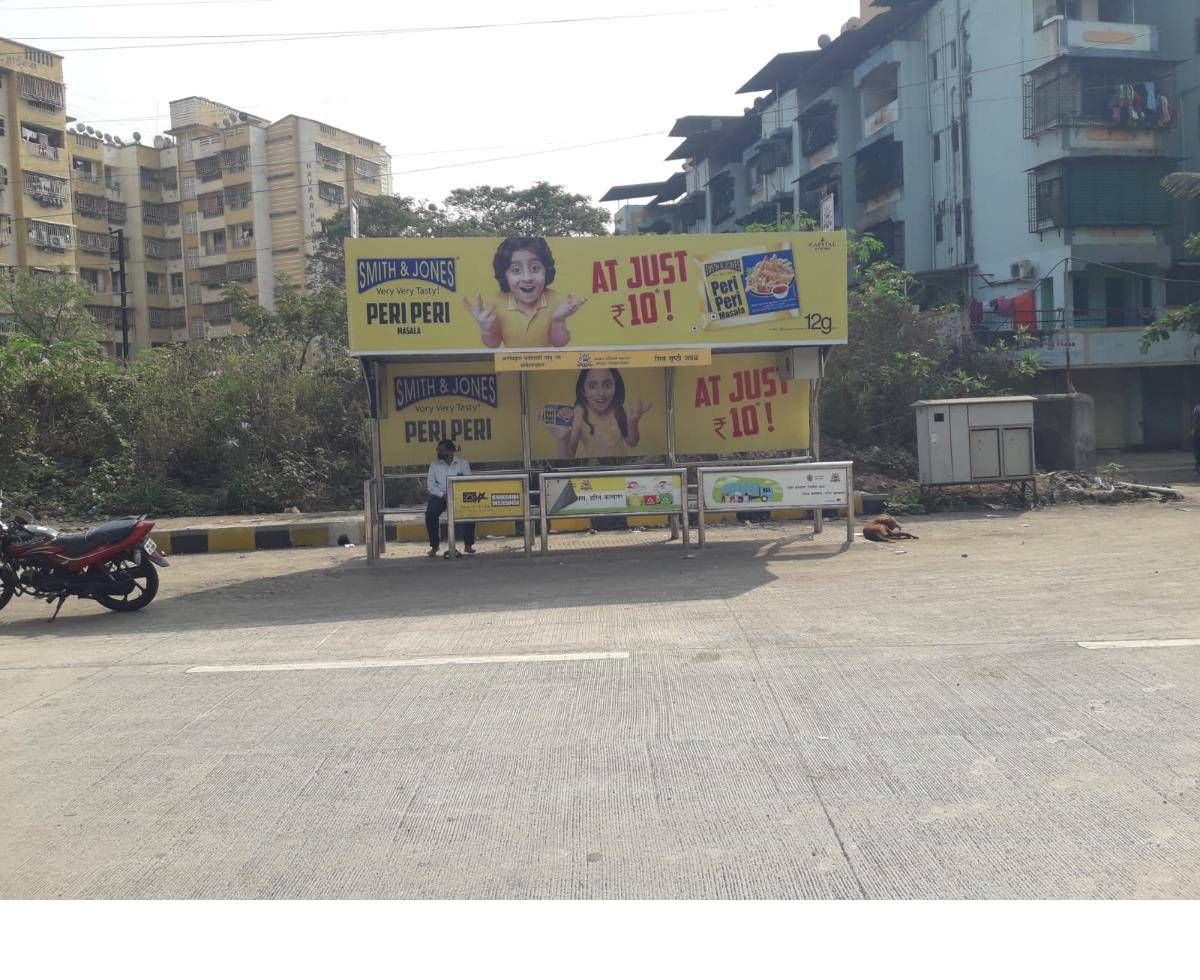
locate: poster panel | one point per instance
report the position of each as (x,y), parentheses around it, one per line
(741,403)
(598,413)
(484,500)
(466,402)
(456,295)
(763,488)
(572,496)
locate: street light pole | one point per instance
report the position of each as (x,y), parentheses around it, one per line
(120,233)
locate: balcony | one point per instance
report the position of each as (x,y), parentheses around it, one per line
(880,99)
(86,176)
(885,115)
(47,237)
(818,135)
(99,243)
(1105,192)
(879,173)
(1059,35)
(40,151)
(1125,103)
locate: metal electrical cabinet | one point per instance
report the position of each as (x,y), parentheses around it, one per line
(975,440)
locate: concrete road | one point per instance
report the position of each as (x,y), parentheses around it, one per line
(776,718)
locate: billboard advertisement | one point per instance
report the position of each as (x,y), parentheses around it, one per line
(737,403)
(469,403)
(464,295)
(485,500)
(763,487)
(643,493)
(740,403)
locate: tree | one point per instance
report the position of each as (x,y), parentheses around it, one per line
(543,209)
(469,212)
(49,308)
(1185,186)
(316,316)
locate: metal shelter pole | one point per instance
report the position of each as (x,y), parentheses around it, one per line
(669,398)
(526,447)
(814,442)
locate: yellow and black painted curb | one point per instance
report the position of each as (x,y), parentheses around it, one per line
(324,534)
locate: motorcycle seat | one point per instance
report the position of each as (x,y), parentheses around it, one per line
(108,533)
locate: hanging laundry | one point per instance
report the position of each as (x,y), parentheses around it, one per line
(1003,305)
(976,312)
(1151,101)
(1164,111)
(1023,310)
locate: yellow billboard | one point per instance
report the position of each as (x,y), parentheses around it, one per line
(599,413)
(466,402)
(741,403)
(459,295)
(485,500)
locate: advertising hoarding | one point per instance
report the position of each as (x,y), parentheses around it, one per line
(764,487)
(617,493)
(476,295)
(485,500)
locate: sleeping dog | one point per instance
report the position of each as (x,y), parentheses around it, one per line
(884,527)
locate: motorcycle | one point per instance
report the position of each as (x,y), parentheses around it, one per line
(116,563)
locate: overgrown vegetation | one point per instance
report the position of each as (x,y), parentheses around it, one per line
(274,419)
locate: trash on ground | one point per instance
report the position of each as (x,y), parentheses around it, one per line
(1066,485)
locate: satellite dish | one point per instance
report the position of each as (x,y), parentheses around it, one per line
(118,141)
(137,137)
(108,137)
(158,142)
(824,41)
(80,127)
(853,24)
(243,117)
(90,131)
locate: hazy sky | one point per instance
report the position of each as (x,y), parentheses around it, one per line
(444,102)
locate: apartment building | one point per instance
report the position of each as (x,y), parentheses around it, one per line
(252,194)
(1009,153)
(36,228)
(225,196)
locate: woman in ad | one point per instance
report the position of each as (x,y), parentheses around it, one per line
(527,313)
(601,424)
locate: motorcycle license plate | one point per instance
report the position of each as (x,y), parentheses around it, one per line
(149,546)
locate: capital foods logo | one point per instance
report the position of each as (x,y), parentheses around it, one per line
(376,272)
(822,244)
(477,387)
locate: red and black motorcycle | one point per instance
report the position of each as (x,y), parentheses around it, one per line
(115,563)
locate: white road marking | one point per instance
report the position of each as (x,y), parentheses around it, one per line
(1136,644)
(499,658)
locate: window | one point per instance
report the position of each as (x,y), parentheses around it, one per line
(189,223)
(176,283)
(958,225)
(1080,300)
(2,118)
(937,147)
(189,188)
(933,67)
(953,46)
(154,283)
(194,298)
(954,135)
(939,232)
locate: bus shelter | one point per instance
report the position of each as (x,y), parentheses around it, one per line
(610,367)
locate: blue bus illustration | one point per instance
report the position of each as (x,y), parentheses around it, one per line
(745,490)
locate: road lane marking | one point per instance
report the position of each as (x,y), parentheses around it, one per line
(1136,644)
(499,658)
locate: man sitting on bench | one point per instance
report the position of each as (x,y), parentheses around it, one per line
(440,471)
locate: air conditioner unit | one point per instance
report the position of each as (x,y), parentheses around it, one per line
(57,241)
(1022,269)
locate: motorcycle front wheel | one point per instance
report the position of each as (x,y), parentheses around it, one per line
(143,574)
